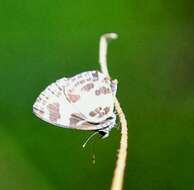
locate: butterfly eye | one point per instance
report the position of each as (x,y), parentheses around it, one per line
(102,133)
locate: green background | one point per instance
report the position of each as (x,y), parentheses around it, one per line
(153,59)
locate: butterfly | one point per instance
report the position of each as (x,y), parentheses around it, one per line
(84,101)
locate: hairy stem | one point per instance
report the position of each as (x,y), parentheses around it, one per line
(118,177)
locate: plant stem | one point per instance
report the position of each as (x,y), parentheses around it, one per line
(118,177)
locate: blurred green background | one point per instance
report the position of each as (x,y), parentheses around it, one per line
(153,59)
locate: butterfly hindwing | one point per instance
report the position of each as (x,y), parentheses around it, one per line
(92,94)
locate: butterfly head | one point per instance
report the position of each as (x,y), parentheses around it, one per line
(110,123)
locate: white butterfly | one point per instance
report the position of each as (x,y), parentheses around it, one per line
(84,101)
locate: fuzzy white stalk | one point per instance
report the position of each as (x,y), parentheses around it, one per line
(118,177)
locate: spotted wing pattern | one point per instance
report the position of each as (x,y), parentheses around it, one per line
(92,94)
(52,106)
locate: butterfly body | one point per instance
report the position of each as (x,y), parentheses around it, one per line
(84,101)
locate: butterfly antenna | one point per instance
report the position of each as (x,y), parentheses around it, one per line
(88,139)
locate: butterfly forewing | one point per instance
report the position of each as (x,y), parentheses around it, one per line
(53,107)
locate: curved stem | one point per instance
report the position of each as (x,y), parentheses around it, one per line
(103,51)
(118,177)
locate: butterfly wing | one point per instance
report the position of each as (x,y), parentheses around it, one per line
(92,93)
(53,107)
